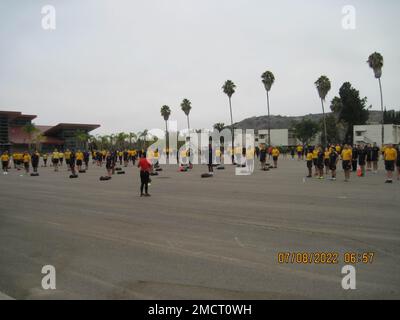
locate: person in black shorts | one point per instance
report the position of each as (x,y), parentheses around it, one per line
(126,158)
(72,161)
(86,156)
(333,160)
(320,162)
(375,157)
(35,161)
(109,163)
(263,157)
(362,157)
(5,160)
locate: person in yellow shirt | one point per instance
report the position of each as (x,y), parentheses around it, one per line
(347,155)
(67,155)
(79,159)
(390,157)
(5,160)
(17,159)
(275,155)
(299,150)
(45,156)
(134,156)
(315,160)
(61,158)
(398,162)
(26,159)
(309,161)
(120,156)
(326,159)
(55,158)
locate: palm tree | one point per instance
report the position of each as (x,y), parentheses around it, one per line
(219,126)
(186,106)
(268,80)
(38,139)
(121,139)
(82,138)
(132,137)
(229,89)
(142,135)
(165,113)
(30,129)
(323,85)
(375,61)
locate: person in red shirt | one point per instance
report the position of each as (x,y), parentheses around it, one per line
(145,168)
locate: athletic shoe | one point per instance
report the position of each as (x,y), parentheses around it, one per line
(147,195)
(388,181)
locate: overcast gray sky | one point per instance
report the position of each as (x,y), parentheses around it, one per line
(116,62)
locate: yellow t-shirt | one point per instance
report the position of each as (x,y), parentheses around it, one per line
(5,157)
(326,154)
(390,154)
(315,153)
(309,156)
(27,158)
(56,155)
(275,152)
(79,156)
(68,155)
(347,154)
(299,149)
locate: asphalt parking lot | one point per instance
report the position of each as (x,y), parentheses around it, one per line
(215,238)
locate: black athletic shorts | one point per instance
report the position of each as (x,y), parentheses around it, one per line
(5,164)
(314,161)
(389,165)
(346,165)
(332,167)
(78,162)
(309,164)
(275,158)
(326,162)
(55,161)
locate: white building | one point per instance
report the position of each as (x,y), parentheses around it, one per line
(373,134)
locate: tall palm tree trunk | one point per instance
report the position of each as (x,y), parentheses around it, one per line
(233,130)
(324,120)
(269,121)
(167,140)
(383,120)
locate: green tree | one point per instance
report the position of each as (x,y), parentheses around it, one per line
(120,140)
(305,130)
(375,62)
(229,89)
(30,129)
(132,137)
(391,117)
(165,113)
(353,109)
(219,126)
(268,80)
(81,137)
(332,129)
(186,106)
(323,85)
